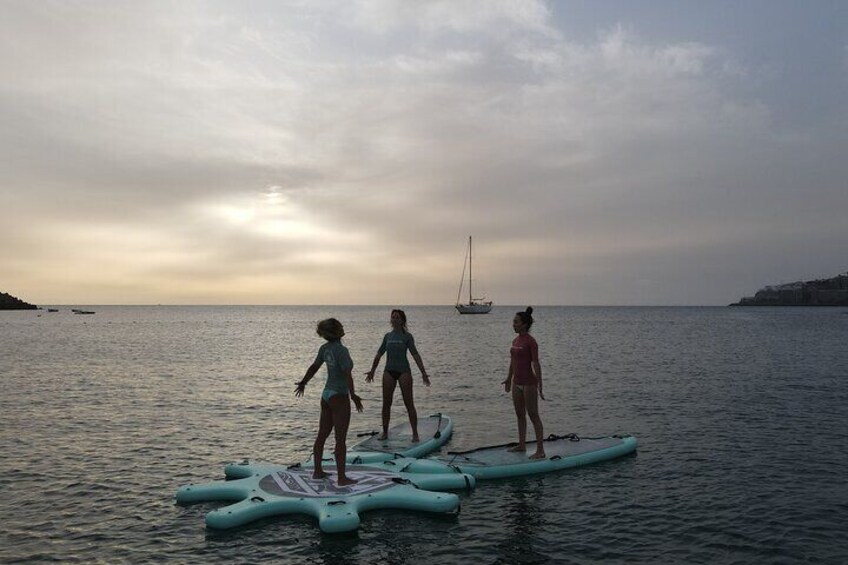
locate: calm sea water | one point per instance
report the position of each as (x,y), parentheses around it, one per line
(740,414)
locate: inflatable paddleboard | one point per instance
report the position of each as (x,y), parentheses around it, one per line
(267,490)
(434,431)
(561,452)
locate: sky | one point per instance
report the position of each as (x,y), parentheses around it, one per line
(271,152)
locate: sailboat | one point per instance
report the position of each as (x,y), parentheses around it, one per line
(475,305)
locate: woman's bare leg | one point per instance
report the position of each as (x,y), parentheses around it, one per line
(340,406)
(521,416)
(388,393)
(325,426)
(531,401)
(405,381)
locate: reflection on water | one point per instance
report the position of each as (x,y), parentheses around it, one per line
(523,519)
(341,549)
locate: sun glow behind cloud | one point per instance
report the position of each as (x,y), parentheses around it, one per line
(271,215)
(342,153)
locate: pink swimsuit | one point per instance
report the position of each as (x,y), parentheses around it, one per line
(524,351)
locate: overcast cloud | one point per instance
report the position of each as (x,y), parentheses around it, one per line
(341,153)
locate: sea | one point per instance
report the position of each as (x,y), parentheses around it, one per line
(741,416)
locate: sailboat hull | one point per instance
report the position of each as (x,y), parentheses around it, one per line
(474,308)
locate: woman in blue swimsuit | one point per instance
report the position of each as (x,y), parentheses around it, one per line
(335,400)
(395,344)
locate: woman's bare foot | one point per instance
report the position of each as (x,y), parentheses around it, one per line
(345,481)
(383,437)
(517,448)
(415,439)
(538,455)
(320,474)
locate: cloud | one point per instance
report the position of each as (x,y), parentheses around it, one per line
(265,154)
(442,17)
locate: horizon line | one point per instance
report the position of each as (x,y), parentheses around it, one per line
(388,305)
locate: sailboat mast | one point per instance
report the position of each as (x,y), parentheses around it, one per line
(470,299)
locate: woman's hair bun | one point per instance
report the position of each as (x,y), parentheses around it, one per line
(526,316)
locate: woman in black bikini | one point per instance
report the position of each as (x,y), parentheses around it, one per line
(396,343)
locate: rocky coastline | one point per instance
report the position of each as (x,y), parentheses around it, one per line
(821,292)
(9,302)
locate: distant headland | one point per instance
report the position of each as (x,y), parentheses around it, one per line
(821,292)
(9,302)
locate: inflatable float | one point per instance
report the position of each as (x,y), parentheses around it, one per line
(262,490)
(434,431)
(498,462)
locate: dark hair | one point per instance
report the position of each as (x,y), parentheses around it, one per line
(402,315)
(526,316)
(330,329)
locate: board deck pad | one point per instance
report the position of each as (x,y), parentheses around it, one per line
(434,431)
(502,455)
(400,436)
(561,452)
(299,483)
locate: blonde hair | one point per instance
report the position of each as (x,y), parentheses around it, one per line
(330,329)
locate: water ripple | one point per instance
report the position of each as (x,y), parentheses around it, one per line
(740,416)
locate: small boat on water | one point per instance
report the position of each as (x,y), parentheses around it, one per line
(474,305)
(83,312)
(52,309)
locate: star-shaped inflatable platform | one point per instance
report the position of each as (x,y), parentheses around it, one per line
(263,490)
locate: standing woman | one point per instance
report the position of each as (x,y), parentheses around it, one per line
(525,380)
(335,400)
(396,343)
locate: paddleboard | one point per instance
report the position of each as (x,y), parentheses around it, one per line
(561,452)
(434,431)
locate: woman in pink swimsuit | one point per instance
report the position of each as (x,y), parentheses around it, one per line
(525,381)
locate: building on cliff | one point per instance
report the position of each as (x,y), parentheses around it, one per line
(821,292)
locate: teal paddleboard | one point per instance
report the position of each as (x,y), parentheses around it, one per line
(561,452)
(433,431)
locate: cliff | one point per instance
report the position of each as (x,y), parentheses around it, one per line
(822,292)
(9,302)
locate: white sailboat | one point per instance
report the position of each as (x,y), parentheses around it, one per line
(474,305)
